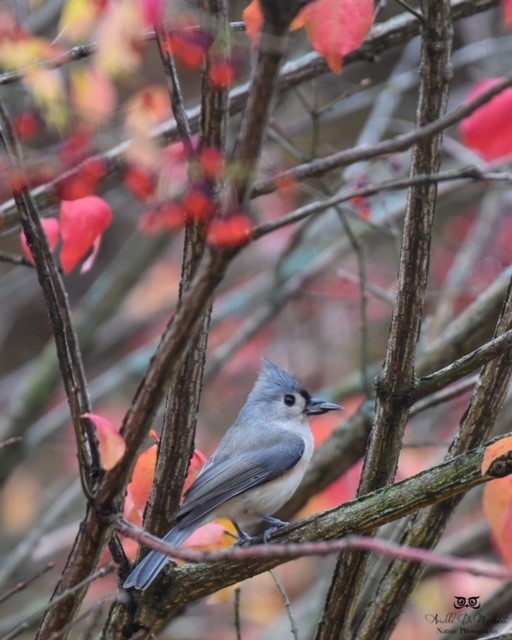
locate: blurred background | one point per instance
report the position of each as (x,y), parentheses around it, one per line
(315,298)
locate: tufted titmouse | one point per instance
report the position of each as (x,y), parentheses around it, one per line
(256,468)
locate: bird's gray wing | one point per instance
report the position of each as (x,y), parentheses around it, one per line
(231,477)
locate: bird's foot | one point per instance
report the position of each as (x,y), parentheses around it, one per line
(276,525)
(243,537)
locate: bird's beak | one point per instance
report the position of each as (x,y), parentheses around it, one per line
(317,406)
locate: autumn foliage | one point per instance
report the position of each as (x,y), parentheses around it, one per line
(182,192)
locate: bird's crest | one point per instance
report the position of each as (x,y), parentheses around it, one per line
(272,381)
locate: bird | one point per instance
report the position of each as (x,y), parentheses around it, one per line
(255,469)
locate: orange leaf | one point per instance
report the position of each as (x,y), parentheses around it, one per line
(112,444)
(51,228)
(83,222)
(497,500)
(337,27)
(497,449)
(253,18)
(139,488)
(196,464)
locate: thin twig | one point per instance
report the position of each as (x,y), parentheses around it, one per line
(287,604)
(291,550)
(21,586)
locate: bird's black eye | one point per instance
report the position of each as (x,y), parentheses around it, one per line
(289,399)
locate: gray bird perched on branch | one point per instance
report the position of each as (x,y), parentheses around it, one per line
(256,468)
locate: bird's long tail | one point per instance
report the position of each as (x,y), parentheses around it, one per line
(151,565)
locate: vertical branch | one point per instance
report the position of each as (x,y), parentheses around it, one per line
(54,292)
(278,14)
(396,382)
(425,528)
(179,425)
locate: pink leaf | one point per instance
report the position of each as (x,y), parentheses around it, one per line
(83,221)
(488,131)
(337,27)
(507,10)
(112,444)
(51,228)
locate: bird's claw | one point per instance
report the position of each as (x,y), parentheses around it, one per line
(276,525)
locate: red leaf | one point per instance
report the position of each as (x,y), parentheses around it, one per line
(232,232)
(142,183)
(83,222)
(507,10)
(222,74)
(198,204)
(27,125)
(51,228)
(112,444)
(488,131)
(337,27)
(212,163)
(170,216)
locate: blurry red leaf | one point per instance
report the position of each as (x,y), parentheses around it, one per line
(112,444)
(76,147)
(18,181)
(198,204)
(51,228)
(27,125)
(140,486)
(75,187)
(153,12)
(232,232)
(94,170)
(83,221)
(507,10)
(363,207)
(141,182)
(189,43)
(222,74)
(497,500)
(488,131)
(170,216)
(211,161)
